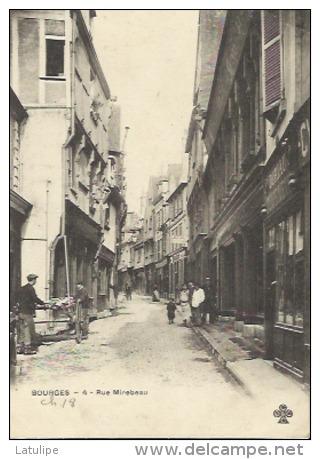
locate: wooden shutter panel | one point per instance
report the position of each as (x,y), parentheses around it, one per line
(272,57)
(271,25)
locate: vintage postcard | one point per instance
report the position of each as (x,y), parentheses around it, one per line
(160,225)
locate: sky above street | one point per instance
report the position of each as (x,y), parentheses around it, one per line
(148,58)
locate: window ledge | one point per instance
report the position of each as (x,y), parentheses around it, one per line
(289,327)
(53,78)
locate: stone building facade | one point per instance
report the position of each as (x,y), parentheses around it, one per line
(252,191)
(68,153)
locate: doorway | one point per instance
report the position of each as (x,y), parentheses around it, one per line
(271,288)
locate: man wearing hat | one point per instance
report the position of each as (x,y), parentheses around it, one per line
(27,300)
(83,297)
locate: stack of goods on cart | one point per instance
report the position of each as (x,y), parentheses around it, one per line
(56,319)
(61,303)
(55,316)
(62,306)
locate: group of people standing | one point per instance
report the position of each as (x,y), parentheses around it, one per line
(194,303)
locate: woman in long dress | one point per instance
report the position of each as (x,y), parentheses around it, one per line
(184,304)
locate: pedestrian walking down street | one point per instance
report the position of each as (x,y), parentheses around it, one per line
(198,298)
(171,308)
(27,300)
(184,305)
(155,294)
(128,292)
(83,297)
(209,307)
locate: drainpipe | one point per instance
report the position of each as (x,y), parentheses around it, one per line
(71,134)
(47,245)
(218,286)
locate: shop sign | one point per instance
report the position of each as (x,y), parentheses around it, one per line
(179,240)
(162,264)
(278,193)
(277,188)
(304,142)
(277,172)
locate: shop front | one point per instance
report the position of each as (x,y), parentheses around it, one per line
(74,256)
(104,266)
(198,259)
(139,283)
(149,277)
(287,256)
(177,270)
(236,254)
(162,277)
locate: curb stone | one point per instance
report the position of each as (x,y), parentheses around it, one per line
(216,352)
(227,365)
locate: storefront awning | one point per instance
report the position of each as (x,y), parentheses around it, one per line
(107,255)
(162,263)
(19,204)
(81,224)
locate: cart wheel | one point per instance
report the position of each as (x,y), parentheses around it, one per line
(78,323)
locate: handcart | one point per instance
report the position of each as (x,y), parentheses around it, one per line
(58,319)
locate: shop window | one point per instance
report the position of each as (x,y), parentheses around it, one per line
(290,236)
(289,319)
(290,270)
(102,281)
(299,293)
(299,233)
(280,270)
(54,57)
(271,238)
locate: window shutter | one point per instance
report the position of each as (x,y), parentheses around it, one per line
(272,57)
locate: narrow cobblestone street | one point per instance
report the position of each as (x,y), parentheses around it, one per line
(183,391)
(159,160)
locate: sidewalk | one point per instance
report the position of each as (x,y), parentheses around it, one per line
(244,360)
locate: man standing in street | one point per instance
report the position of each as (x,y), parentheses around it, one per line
(128,292)
(83,297)
(209,302)
(197,300)
(27,300)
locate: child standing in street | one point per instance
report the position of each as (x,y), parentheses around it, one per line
(171,307)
